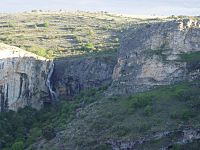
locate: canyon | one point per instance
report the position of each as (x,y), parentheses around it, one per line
(149,56)
(145,95)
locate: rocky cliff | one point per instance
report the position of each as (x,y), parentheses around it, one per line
(22,78)
(149,56)
(72,75)
(156,54)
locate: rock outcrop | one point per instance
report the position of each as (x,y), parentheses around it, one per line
(151,55)
(183,137)
(22,78)
(72,75)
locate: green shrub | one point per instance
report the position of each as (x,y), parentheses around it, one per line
(91,32)
(46,24)
(50,54)
(100,124)
(88,47)
(33,135)
(108,114)
(35,26)
(180,91)
(176,147)
(190,57)
(34,11)
(18,146)
(186,114)
(38,50)
(12,24)
(48,133)
(120,130)
(141,101)
(183,114)
(148,110)
(174,115)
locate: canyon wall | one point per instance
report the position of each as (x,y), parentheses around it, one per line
(157,54)
(72,75)
(22,78)
(149,56)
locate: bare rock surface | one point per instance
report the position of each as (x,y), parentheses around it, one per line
(22,78)
(72,75)
(150,56)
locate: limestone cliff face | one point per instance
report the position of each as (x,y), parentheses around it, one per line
(71,75)
(151,55)
(22,78)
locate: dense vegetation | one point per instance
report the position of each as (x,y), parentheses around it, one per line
(22,128)
(109,118)
(190,57)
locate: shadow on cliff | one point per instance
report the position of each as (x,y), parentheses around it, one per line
(74,74)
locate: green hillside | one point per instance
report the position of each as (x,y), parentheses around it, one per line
(94,120)
(60,34)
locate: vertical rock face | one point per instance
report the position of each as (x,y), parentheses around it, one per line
(71,75)
(151,55)
(22,78)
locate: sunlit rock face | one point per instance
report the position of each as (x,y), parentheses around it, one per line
(150,56)
(22,78)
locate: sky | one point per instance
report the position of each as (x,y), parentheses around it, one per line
(131,7)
